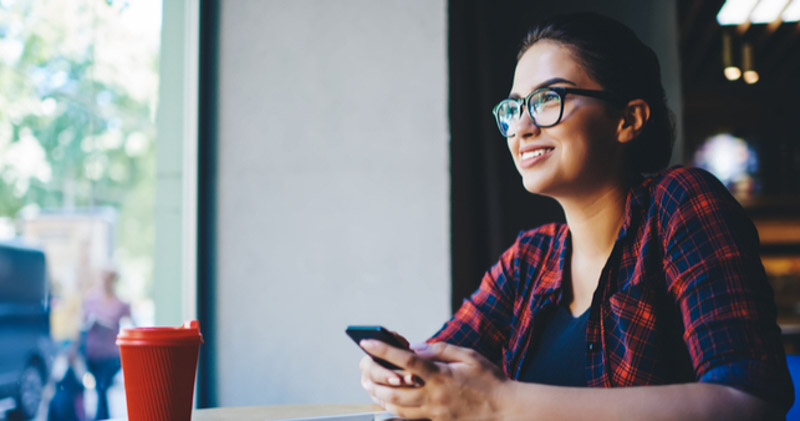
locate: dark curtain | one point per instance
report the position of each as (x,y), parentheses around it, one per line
(489,204)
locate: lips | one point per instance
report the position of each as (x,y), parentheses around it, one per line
(531,154)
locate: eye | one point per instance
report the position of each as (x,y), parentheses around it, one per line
(545,99)
(508,109)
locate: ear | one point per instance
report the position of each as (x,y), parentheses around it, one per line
(634,117)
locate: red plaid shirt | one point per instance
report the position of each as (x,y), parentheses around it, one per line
(682,298)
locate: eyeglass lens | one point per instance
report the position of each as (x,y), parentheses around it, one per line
(544,107)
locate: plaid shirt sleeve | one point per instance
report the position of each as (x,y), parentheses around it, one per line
(484,320)
(713,269)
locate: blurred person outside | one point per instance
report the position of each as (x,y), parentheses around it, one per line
(102,313)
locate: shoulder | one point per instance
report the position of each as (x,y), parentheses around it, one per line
(91,302)
(541,236)
(682,182)
(534,253)
(691,202)
(678,185)
(122,308)
(533,246)
(539,242)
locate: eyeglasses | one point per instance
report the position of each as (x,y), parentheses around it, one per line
(545,106)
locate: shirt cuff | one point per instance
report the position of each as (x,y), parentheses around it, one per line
(757,378)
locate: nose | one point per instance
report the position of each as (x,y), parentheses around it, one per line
(525,125)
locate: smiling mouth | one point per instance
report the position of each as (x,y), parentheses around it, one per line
(535,153)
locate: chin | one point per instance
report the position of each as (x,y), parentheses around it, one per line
(535,186)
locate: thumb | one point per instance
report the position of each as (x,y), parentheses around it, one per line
(444,352)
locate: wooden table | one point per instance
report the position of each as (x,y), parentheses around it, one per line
(276,412)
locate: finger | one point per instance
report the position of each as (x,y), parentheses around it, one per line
(445,352)
(379,374)
(406,360)
(400,396)
(412,380)
(406,413)
(400,338)
(369,386)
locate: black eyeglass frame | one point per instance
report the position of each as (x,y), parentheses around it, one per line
(562,91)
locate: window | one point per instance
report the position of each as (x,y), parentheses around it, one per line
(79,94)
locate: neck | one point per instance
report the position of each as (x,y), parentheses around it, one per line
(594,220)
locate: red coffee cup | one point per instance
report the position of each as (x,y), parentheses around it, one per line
(159,366)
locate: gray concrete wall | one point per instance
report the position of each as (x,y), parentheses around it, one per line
(333,194)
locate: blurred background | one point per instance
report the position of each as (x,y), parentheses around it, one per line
(281,169)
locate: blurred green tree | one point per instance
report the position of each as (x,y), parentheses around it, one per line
(78,92)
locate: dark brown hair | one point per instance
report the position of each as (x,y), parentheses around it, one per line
(613,55)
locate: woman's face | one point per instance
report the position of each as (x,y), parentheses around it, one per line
(581,152)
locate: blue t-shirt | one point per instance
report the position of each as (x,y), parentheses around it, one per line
(559,358)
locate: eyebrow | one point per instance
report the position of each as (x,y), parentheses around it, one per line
(548,82)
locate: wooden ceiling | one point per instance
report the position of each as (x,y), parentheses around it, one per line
(776,49)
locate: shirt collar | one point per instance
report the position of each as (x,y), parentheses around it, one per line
(551,291)
(634,203)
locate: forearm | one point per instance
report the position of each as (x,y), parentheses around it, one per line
(693,401)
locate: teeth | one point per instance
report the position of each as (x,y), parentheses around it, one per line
(534,154)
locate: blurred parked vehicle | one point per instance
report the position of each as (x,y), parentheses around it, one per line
(26,349)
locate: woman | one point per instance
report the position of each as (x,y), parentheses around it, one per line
(103,311)
(652,281)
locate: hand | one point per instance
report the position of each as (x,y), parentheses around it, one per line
(372,372)
(439,382)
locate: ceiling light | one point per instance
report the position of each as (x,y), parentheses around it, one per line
(747,56)
(735,12)
(750,77)
(767,11)
(732,73)
(792,12)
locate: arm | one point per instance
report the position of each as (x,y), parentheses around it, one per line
(458,382)
(691,401)
(484,320)
(714,273)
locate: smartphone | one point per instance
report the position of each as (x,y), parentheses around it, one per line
(358,333)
